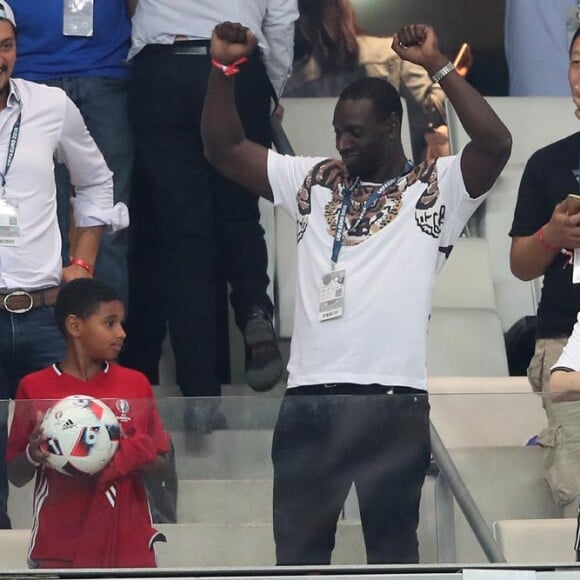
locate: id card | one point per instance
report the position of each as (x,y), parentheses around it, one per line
(332,296)
(9,224)
(576,268)
(77,18)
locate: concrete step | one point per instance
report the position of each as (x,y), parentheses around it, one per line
(247,501)
(228,390)
(242,412)
(13,550)
(247,545)
(228,454)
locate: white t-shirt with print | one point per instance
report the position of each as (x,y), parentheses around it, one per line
(390,260)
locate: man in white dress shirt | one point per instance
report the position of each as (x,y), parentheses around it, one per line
(188,221)
(37,124)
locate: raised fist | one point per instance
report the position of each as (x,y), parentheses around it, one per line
(231,41)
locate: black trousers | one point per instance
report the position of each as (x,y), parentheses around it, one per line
(188,221)
(325,440)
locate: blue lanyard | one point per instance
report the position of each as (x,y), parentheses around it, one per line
(11,148)
(347,193)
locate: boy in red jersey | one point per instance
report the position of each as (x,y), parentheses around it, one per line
(103,520)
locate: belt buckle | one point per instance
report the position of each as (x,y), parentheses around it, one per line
(18,310)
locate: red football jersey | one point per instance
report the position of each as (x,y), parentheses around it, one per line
(63,504)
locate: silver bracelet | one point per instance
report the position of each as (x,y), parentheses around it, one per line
(443,72)
(29,457)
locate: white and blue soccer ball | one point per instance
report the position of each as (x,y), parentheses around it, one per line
(82,435)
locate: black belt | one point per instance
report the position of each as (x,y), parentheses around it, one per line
(184,47)
(352,389)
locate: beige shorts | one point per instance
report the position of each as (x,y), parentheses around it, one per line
(547,353)
(561,439)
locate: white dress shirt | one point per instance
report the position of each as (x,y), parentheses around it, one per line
(271,21)
(51,127)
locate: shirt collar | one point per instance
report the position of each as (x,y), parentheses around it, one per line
(14,98)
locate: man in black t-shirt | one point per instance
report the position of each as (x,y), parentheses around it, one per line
(545,233)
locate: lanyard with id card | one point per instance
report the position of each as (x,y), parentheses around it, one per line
(77,17)
(332,291)
(9,215)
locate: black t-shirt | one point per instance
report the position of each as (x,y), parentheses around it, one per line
(548,178)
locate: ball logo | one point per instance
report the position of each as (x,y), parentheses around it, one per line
(82,435)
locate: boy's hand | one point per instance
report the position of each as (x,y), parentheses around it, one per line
(418,44)
(37,442)
(231,41)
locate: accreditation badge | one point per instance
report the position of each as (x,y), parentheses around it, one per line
(576,267)
(9,223)
(332,296)
(77,17)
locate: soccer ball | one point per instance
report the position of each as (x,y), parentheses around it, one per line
(83,435)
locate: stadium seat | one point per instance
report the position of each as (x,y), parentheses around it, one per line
(465,280)
(515,298)
(534,122)
(465,342)
(538,541)
(505,482)
(485,411)
(241,545)
(13,549)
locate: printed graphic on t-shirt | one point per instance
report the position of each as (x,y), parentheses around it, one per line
(332,174)
(429,211)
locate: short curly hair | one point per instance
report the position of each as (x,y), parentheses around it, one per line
(380,92)
(81,297)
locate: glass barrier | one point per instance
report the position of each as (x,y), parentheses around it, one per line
(238,460)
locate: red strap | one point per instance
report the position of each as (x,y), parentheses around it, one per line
(540,234)
(229,69)
(83,264)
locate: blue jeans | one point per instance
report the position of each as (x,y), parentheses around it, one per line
(103,104)
(28,342)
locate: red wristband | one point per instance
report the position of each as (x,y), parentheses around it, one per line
(83,264)
(540,234)
(229,69)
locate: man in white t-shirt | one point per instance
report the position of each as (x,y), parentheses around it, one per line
(372,230)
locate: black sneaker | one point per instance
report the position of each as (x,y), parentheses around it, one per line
(263,360)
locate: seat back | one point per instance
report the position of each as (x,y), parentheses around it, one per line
(465,342)
(536,541)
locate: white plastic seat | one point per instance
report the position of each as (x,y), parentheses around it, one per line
(465,280)
(485,411)
(538,541)
(505,483)
(14,549)
(465,342)
(534,122)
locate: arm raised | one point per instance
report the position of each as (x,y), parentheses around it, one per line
(489,149)
(225,143)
